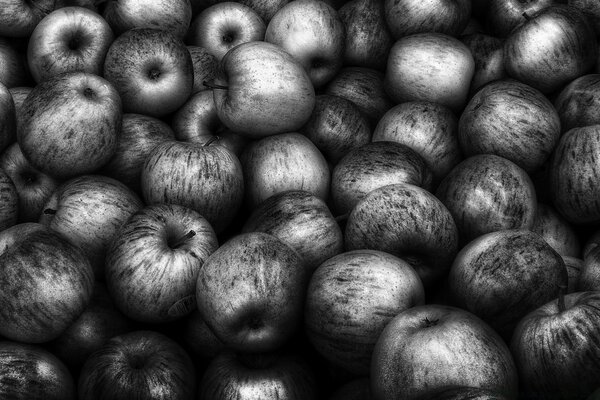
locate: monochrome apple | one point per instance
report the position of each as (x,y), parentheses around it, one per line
(488,54)
(205,67)
(576,102)
(18,18)
(559,233)
(589,8)
(265,8)
(503,16)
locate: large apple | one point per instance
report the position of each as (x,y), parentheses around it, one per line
(18,18)
(576,102)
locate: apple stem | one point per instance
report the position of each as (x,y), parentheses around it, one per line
(214,85)
(49,211)
(182,239)
(211,141)
(526,16)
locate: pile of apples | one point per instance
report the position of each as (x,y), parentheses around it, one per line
(299,199)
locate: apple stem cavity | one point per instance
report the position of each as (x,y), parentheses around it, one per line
(211,85)
(182,239)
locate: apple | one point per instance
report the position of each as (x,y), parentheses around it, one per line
(314,34)
(265,8)
(431,347)
(47,283)
(66,40)
(88,211)
(488,54)
(248,376)
(552,349)
(9,201)
(205,67)
(151,69)
(262,73)
(13,66)
(555,46)
(8,118)
(138,137)
(573,171)
(576,102)
(139,364)
(70,124)
(251,292)
(336,126)
(173,16)
(503,16)
(30,372)
(487,193)
(430,67)
(287,161)
(18,18)
(407,221)
(429,128)
(222,26)
(503,275)
(153,261)
(198,337)
(207,178)
(512,120)
(408,17)
(350,299)
(33,188)
(372,166)
(590,8)
(555,230)
(301,220)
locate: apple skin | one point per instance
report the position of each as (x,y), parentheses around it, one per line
(573,173)
(138,136)
(301,220)
(19,94)
(281,376)
(169,15)
(33,187)
(13,65)
(66,40)
(430,67)
(558,44)
(502,276)
(576,102)
(372,166)
(251,292)
(139,364)
(314,34)
(265,8)
(205,67)
(151,69)
(19,18)
(30,372)
(153,261)
(350,299)
(431,347)
(48,283)
(222,26)
(503,16)
(263,73)
(408,17)
(88,211)
(9,201)
(488,54)
(555,230)
(552,348)
(487,193)
(430,129)
(368,38)
(336,126)
(406,221)
(70,124)
(207,178)
(287,161)
(591,9)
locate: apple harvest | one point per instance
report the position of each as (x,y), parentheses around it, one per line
(299,200)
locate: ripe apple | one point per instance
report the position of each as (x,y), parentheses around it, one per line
(287,161)
(552,349)
(151,69)
(170,15)
(251,291)
(431,347)
(222,26)
(153,262)
(262,73)
(8,118)
(503,16)
(557,231)
(487,193)
(502,276)
(555,46)
(33,187)
(88,211)
(18,18)
(140,364)
(68,39)
(31,372)
(576,102)
(430,67)
(512,120)
(9,201)
(372,166)
(13,65)
(350,299)
(407,221)
(70,124)
(205,67)
(207,178)
(430,129)
(47,283)
(301,220)
(488,54)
